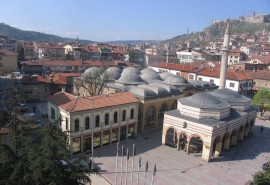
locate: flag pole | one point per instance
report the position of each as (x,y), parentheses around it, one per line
(134,153)
(122,164)
(127,165)
(154,173)
(116,171)
(139,166)
(146,168)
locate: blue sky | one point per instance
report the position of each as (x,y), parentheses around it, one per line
(109,20)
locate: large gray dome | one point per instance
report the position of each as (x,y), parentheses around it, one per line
(157,89)
(149,74)
(229,95)
(114,73)
(130,70)
(176,80)
(204,100)
(130,79)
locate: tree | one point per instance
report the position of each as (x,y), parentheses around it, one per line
(92,83)
(262,99)
(261,178)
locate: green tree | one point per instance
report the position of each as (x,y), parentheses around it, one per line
(262,178)
(262,99)
(92,83)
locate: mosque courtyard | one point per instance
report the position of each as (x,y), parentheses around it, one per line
(234,167)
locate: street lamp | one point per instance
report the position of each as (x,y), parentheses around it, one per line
(92,129)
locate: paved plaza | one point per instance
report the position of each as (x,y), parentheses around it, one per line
(235,167)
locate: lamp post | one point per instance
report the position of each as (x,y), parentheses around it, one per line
(92,129)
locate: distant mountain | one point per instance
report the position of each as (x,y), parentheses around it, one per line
(216,30)
(17,34)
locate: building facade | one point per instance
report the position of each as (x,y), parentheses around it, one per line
(112,117)
(8,61)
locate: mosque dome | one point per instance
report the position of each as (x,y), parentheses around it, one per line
(229,95)
(130,79)
(165,75)
(130,70)
(141,92)
(114,73)
(157,89)
(149,74)
(204,101)
(176,80)
(92,71)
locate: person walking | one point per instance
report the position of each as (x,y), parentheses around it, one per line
(90,164)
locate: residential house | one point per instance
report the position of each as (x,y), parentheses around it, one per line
(8,61)
(51,51)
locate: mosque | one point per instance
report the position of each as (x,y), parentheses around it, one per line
(211,122)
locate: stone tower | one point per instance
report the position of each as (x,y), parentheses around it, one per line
(224,59)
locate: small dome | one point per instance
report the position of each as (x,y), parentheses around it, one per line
(204,100)
(165,75)
(141,92)
(176,80)
(171,89)
(92,71)
(157,89)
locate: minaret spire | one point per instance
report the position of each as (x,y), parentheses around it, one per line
(224,59)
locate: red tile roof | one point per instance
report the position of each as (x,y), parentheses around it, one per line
(72,103)
(35,79)
(179,67)
(232,75)
(61,78)
(7,52)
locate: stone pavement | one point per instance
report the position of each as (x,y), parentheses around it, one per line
(235,167)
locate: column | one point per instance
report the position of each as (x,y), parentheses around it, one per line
(206,152)
(81,144)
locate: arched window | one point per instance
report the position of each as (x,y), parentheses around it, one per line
(174,105)
(115,117)
(132,114)
(106,119)
(162,109)
(77,125)
(97,121)
(150,117)
(124,115)
(87,123)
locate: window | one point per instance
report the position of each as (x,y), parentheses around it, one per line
(52,113)
(124,115)
(211,80)
(191,77)
(1,65)
(178,73)
(200,78)
(266,84)
(77,125)
(97,121)
(115,117)
(66,123)
(231,84)
(87,123)
(132,114)
(106,119)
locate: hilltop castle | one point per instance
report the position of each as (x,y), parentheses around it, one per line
(253,18)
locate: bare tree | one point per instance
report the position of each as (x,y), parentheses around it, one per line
(92,82)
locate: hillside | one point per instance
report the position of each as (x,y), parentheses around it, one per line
(217,30)
(18,34)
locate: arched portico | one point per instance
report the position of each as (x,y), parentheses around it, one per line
(233,140)
(170,137)
(195,144)
(217,146)
(182,141)
(226,141)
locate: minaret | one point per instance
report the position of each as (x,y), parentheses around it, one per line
(224,59)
